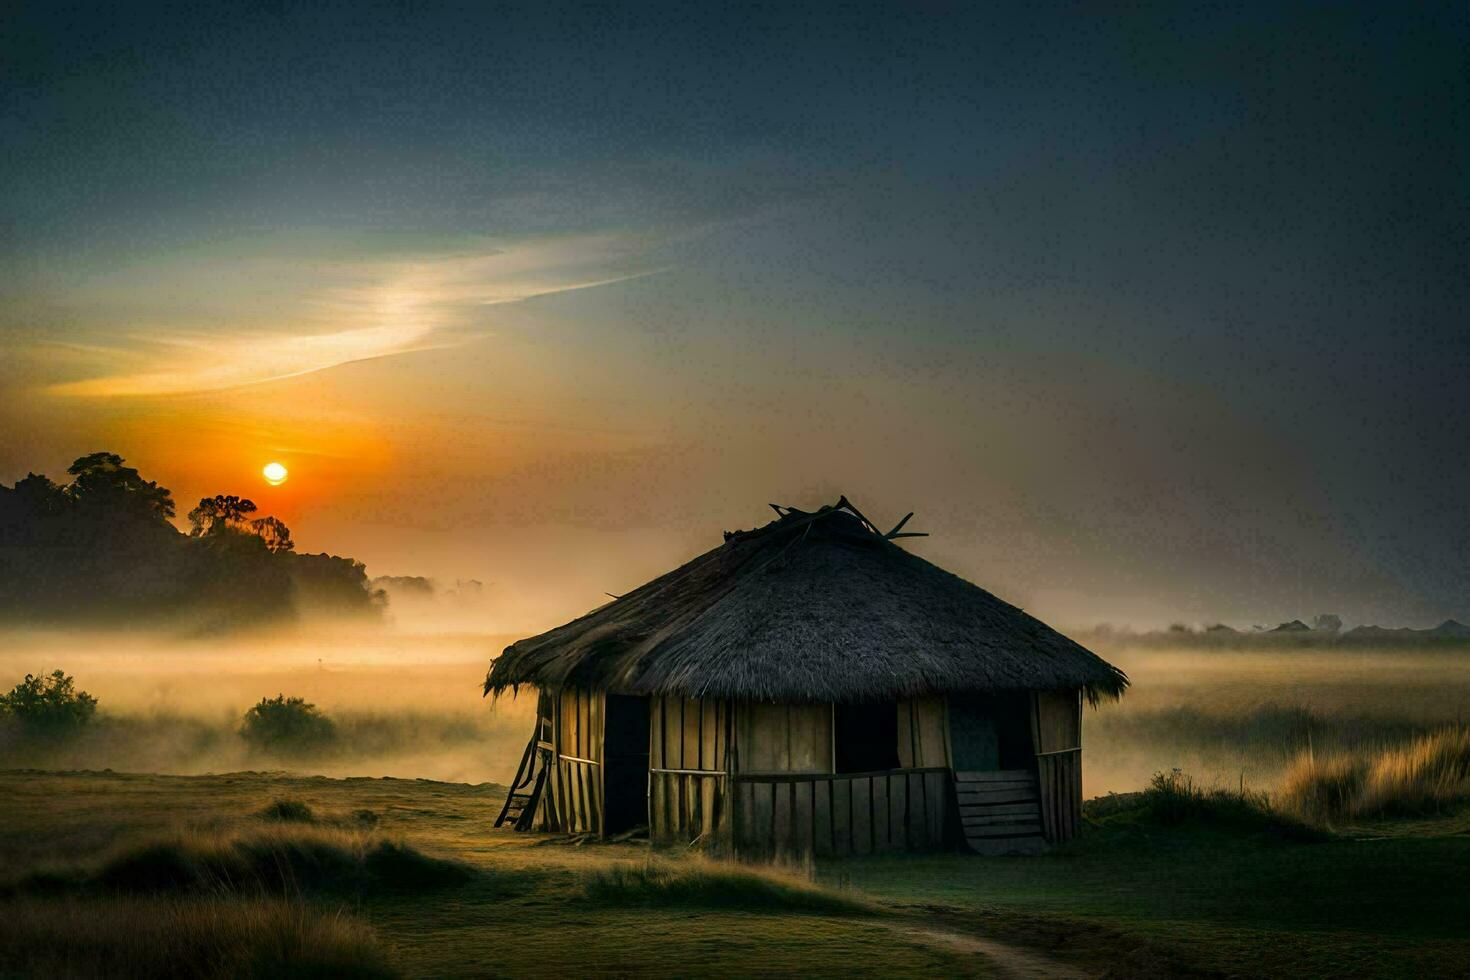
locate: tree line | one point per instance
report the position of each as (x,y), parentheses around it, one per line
(103,547)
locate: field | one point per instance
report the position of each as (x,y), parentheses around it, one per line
(178,853)
(1131,898)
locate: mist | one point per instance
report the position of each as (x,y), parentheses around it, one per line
(405,703)
(1236,717)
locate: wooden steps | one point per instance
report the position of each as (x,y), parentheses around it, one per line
(1000,811)
(526,788)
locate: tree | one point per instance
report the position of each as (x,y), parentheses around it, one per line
(219,513)
(102,484)
(282,725)
(50,704)
(274,532)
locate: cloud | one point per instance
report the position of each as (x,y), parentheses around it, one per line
(339,312)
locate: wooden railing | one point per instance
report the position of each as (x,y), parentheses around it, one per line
(825,814)
(685,804)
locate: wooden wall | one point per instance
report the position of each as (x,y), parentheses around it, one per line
(923,733)
(786,801)
(827,815)
(783,737)
(1057,727)
(687,775)
(576,793)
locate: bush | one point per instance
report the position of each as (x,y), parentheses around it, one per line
(287,726)
(290,811)
(1172,799)
(49,705)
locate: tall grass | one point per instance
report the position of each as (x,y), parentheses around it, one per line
(199,936)
(1174,799)
(706,883)
(283,859)
(1421,778)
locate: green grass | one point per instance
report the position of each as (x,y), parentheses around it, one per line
(1207,895)
(1177,880)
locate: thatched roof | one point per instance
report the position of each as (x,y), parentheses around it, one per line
(811,607)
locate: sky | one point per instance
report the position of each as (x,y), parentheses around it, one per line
(1149,315)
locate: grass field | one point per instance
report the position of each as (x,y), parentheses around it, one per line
(1132,897)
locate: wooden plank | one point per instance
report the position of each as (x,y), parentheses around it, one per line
(762,814)
(1032,786)
(916,822)
(656,733)
(709,735)
(862,814)
(842,837)
(692,712)
(803,815)
(720,758)
(781,829)
(999,808)
(995,775)
(878,786)
(1010,830)
(898,811)
(746,821)
(967,797)
(595,775)
(655,810)
(822,818)
(936,789)
(709,787)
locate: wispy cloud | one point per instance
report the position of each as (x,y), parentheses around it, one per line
(336,314)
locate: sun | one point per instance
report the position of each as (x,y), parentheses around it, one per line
(275,474)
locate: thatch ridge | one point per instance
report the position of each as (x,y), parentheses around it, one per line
(814,606)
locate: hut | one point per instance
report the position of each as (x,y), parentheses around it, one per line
(807,687)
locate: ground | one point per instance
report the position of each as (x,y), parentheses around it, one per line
(1127,899)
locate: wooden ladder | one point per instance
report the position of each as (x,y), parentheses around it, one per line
(1000,811)
(525,789)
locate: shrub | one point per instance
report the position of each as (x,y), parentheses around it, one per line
(291,811)
(1172,799)
(287,726)
(49,705)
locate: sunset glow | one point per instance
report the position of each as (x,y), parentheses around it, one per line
(275,474)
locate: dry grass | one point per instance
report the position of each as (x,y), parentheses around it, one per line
(706,883)
(288,859)
(202,936)
(1421,778)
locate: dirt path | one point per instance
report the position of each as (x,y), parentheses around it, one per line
(1010,961)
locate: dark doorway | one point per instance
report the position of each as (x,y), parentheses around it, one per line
(625,763)
(991,731)
(866,736)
